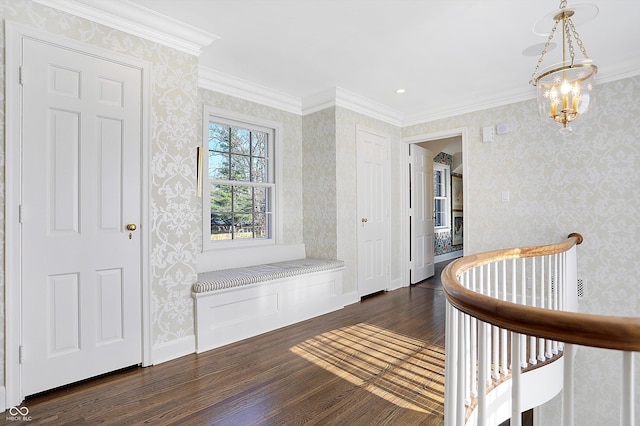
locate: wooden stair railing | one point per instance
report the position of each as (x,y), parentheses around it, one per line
(519,304)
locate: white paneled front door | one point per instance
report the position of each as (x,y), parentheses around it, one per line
(422,233)
(373,211)
(81,183)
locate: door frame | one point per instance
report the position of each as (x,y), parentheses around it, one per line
(14,33)
(406,191)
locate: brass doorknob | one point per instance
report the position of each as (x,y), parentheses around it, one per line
(364,219)
(131,227)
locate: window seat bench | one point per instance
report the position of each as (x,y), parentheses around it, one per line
(234,304)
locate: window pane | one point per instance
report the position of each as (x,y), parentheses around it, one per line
(242,199)
(259,144)
(437,183)
(240,168)
(218,137)
(240,141)
(259,172)
(221,226)
(218,165)
(260,200)
(242,226)
(221,198)
(439,212)
(260,225)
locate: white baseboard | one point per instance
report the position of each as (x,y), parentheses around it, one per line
(448,256)
(395,284)
(174,349)
(350,298)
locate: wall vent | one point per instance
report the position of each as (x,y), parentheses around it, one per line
(582,289)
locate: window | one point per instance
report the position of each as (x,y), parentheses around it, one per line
(239,203)
(441,189)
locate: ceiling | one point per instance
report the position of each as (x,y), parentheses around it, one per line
(450,56)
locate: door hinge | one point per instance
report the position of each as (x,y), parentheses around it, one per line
(20,213)
(21,75)
(20,354)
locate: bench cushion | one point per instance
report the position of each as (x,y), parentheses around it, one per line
(236,277)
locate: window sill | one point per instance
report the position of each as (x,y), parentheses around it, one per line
(239,256)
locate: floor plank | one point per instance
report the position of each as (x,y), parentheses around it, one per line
(264,381)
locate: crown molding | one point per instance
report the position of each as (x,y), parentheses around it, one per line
(352,101)
(622,70)
(138,20)
(485,102)
(224,83)
(230,85)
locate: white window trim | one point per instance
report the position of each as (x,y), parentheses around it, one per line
(447,171)
(211,114)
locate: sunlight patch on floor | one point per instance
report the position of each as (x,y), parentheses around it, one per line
(400,369)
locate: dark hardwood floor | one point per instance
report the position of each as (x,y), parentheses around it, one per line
(376,362)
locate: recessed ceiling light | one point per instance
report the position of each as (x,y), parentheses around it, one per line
(400,91)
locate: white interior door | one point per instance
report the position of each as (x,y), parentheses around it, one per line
(373,212)
(422,234)
(81,184)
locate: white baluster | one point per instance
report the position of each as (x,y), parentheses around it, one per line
(541,342)
(467,361)
(554,344)
(503,334)
(483,367)
(461,409)
(627,415)
(532,340)
(523,301)
(471,282)
(450,366)
(516,380)
(492,290)
(514,292)
(548,353)
(567,387)
(474,357)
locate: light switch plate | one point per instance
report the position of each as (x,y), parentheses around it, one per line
(488,133)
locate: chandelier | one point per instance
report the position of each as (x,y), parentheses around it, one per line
(565,90)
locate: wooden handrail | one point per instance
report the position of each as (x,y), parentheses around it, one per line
(601,331)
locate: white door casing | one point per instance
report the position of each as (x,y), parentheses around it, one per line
(373,211)
(406,190)
(422,233)
(78,281)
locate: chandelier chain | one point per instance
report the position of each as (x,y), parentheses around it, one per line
(578,40)
(572,53)
(544,52)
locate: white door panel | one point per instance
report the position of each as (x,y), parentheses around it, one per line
(373,212)
(81,305)
(422,234)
